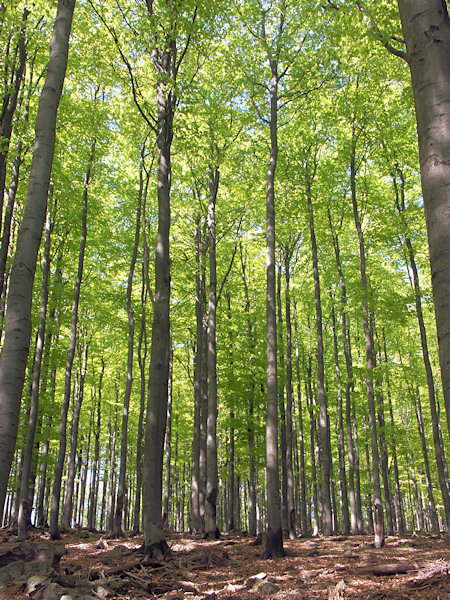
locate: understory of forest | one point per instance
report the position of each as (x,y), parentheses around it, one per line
(86,566)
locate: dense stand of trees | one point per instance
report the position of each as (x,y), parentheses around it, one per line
(176,352)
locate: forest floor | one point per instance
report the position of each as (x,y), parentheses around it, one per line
(232,568)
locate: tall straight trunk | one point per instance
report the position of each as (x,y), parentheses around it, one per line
(154,540)
(426,30)
(68,504)
(95,465)
(203,407)
(341,443)
(252,500)
(274,538)
(142,358)
(56,492)
(400,513)
(110,478)
(231,524)
(195,471)
(348,385)
(312,438)
(303,519)
(438,448)
(419,525)
(325,454)
(289,402)
(117,529)
(370,356)
(282,407)
(360,522)
(383,446)
(212,481)
(14,355)
(431,501)
(25,508)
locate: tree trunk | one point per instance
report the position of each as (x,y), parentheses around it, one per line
(95,466)
(438,448)
(56,492)
(168,446)
(431,501)
(327,524)
(341,443)
(9,105)
(13,358)
(289,399)
(117,529)
(274,537)
(154,539)
(24,508)
(400,513)
(212,482)
(252,500)
(370,355)
(195,472)
(282,408)
(303,519)
(67,511)
(348,385)
(426,30)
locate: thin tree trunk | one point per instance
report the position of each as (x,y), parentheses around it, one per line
(13,358)
(56,492)
(68,504)
(400,512)
(9,105)
(195,473)
(252,499)
(117,529)
(348,385)
(95,466)
(303,519)
(438,448)
(289,400)
(341,443)
(370,355)
(321,395)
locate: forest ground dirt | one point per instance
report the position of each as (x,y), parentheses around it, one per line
(334,568)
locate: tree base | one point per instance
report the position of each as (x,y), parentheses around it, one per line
(274,544)
(378,525)
(157,551)
(212,535)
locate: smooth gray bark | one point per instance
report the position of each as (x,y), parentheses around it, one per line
(24,507)
(274,538)
(212,482)
(426,30)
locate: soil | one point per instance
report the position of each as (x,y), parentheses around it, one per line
(334,568)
